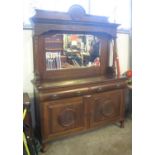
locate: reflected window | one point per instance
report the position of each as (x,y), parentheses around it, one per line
(72,51)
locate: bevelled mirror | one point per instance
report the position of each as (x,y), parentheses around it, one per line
(66,51)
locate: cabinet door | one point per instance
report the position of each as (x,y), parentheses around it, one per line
(62,117)
(106,107)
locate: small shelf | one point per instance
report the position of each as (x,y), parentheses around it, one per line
(54,49)
(54,41)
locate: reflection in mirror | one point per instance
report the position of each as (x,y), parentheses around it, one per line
(71,51)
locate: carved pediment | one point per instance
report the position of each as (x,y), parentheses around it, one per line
(76,12)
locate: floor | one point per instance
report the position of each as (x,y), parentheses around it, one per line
(109,140)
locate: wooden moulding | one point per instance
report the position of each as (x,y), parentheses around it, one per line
(53,20)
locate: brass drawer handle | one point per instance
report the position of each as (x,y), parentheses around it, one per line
(54,96)
(99,89)
(78,93)
(118,85)
(87,96)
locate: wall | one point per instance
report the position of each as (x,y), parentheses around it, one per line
(123,48)
(124,51)
(27,61)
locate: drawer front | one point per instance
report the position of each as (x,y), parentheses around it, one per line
(56,95)
(81,91)
(62,117)
(106,107)
(107,87)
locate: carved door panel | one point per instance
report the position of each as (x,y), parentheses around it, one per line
(64,116)
(105,107)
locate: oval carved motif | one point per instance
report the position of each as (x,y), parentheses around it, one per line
(107,109)
(67,117)
(104,108)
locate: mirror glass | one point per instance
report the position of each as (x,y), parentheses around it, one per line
(63,51)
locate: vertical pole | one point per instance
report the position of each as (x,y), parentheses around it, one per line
(116,59)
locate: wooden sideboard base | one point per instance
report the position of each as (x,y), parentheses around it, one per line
(61,112)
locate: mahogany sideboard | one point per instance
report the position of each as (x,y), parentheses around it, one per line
(74,92)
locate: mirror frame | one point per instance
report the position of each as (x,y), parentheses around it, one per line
(49,22)
(72,73)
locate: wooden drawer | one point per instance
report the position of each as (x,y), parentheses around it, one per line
(63,94)
(107,87)
(81,91)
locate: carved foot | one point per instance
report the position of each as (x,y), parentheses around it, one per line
(122,124)
(44,148)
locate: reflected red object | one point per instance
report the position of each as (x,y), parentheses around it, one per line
(97,61)
(74,37)
(129,73)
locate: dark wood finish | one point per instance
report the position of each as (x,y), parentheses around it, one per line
(70,101)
